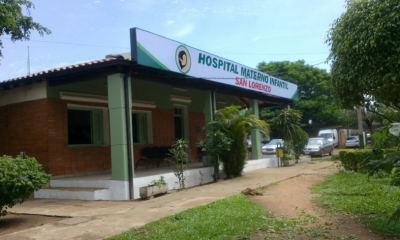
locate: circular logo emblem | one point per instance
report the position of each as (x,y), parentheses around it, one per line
(182,58)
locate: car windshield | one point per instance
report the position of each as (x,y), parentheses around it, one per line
(314,142)
(275,141)
(326,135)
(351,138)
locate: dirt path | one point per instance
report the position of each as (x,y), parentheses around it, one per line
(292,198)
(289,197)
(18,222)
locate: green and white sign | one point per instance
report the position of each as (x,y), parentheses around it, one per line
(152,50)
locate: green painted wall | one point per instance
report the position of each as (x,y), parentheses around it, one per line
(146,91)
(96,87)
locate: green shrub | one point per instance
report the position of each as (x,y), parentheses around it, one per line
(395,176)
(18,179)
(216,143)
(355,160)
(160,182)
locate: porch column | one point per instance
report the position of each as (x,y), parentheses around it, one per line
(209,106)
(255,134)
(118,129)
(209,110)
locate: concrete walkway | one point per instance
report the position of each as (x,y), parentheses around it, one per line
(101,219)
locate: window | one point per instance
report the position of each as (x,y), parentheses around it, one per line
(142,127)
(85,126)
(178,121)
(139,127)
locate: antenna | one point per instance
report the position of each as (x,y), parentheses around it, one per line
(29,63)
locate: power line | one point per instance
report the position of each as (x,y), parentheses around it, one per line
(274,54)
(243,53)
(76,44)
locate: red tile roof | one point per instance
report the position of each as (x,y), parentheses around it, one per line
(111,59)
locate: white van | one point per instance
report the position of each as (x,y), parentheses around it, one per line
(331,135)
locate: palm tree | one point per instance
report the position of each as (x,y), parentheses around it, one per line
(236,123)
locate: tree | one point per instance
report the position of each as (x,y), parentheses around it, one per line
(365,53)
(315,98)
(14,23)
(236,123)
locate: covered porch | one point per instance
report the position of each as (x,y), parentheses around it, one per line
(100,186)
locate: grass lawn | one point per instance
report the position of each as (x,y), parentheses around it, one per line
(230,218)
(373,201)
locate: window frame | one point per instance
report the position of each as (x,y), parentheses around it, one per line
(102,123)
(146,135)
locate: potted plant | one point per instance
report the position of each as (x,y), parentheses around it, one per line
(153,188)
(288,160)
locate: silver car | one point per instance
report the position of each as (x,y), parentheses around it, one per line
(352,142)
(318,146)
(270,148)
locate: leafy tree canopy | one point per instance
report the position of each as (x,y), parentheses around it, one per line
(315,98)
(365,53)
(14,23)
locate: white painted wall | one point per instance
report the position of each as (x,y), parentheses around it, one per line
(30,92)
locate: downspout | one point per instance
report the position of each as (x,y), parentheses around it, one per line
(128,113)
(213,107)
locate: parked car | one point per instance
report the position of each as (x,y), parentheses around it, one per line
(318,146)
(248,143)
(331,135)
(270,148)
(352,142)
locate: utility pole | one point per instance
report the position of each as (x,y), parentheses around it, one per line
(29,63)
(360,128)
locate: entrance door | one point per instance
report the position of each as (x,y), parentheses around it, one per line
(181,124)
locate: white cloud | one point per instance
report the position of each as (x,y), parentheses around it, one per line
(255,39)
(97,1)
(185,31)
(170,22)
(59,65)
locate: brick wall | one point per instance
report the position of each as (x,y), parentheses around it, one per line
(67,160)
(40,128)
(196,124)
(23,127)
(164,132)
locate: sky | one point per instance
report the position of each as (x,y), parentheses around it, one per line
(245,31)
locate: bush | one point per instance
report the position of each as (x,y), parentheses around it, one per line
(216,144)
(355,160)
(18,179)
(395,176)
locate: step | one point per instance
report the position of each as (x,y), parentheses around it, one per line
(80,193)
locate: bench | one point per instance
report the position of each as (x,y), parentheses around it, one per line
(153,153)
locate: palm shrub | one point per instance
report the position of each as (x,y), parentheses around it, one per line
(236,123)
(18,179)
